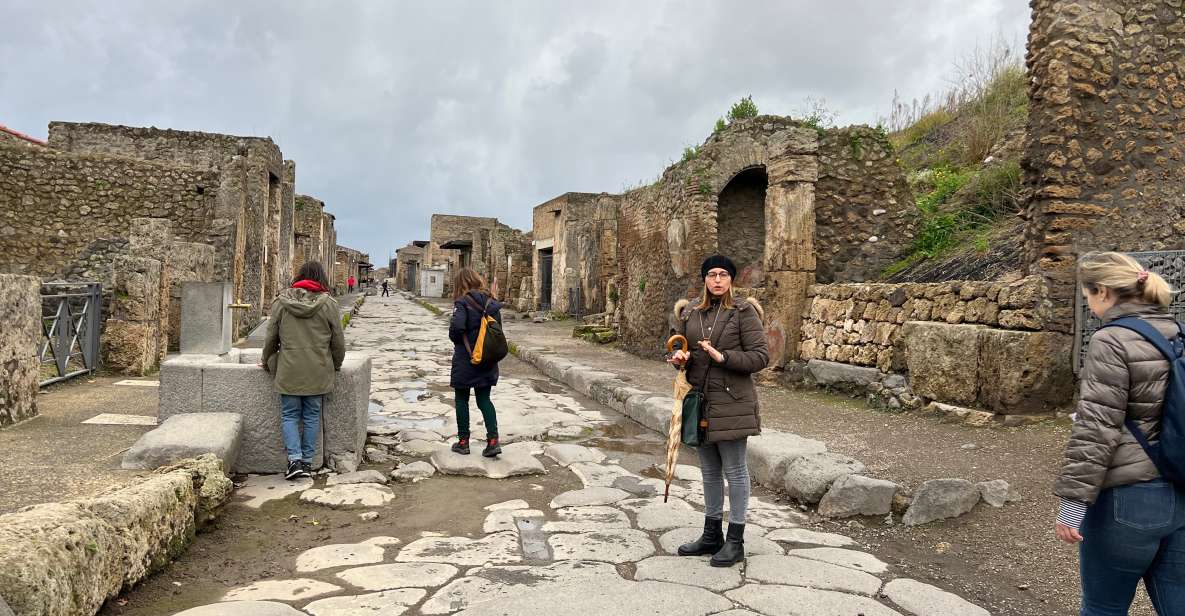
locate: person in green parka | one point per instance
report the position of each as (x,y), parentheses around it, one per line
(303,350)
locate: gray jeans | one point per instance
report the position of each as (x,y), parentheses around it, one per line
(717,461)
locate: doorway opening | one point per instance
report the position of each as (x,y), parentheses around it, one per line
(740,225)
(545,278)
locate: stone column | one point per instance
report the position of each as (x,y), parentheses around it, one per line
(285,254)
(130,343)
(20,303)
(153,238)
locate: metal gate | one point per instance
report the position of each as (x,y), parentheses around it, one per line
(70,330)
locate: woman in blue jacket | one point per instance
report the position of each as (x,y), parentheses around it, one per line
(472,301)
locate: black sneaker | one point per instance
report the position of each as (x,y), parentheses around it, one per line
(295,470)
(492,448)
(461,446)
(307,469)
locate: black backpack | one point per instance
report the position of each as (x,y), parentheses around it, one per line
(1168,454)
(491,346)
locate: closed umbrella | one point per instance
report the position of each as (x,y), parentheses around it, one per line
(675,433)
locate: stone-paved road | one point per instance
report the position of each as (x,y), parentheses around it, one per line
(606,548)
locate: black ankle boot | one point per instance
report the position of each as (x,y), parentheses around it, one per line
(733,551)
(708,543)
(492,447)
(461,446)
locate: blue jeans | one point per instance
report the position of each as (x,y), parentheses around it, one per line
(1134,532)
(293,411)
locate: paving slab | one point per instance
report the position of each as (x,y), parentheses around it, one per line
(565,454)
(387,603)
(261,489)
(414,472)
(775,517)
(349,495)
(501,520)
(499,583)
(796,571)
(611,545)
(598,475)
(798,601)
(420,448)
(925,600)
(860,561)
(689,571)
(508,464)
(517,503)
(188,435)
(498,548)
(281,590)
(634,505)
(802,535)
(243,608)
(617,597)
(586,519)
(369,476)
(588,496)
(117,419)
(338,555)
(398,575)
(754,545)
(660,518)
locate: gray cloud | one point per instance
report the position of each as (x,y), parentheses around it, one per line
(396,110)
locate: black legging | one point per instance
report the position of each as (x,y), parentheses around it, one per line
(488,413)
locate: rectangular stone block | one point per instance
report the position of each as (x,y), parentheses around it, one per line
(943,360)
(188,435)
(135,288)
(181,384)
(347,408)
(130,347)
(205,317)
(1025,372)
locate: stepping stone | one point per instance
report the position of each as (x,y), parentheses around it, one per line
(796,601)
(689,571)
(795,571)
(188,435)
(754,545)
(802,535)
(501,520)
(510,504)
(387,603)
(611,597)
(586,519)
(598,475)
(659,518)
(498,548)
(780,517)
(844,558)
(350,495)
(357,477)
(398,575)
(614,546)
(645,486)
(588,496)
(281,590)
(414,472)
(338,555)
(925,600)
(565,454)
(499,583)
(420,435)
(938,499)
(243,608)
(419,448)
(509,464)
(260,489)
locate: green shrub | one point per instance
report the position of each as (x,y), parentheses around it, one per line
(742,110)
(720,125)
(944,182)
(345,320)
(690,153)
(919,130)
(996,189)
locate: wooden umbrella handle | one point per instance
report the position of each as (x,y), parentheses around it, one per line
(676,339)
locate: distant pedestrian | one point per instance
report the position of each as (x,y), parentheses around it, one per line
(1128,521)
(386,291)
(727,342)
(303,349)
(472,301)
(350,284)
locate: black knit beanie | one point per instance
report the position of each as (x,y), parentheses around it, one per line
(717,261)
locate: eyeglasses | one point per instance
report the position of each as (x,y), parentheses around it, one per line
(719,275)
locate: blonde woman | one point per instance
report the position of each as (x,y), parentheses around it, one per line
(1128,522)
(727,345)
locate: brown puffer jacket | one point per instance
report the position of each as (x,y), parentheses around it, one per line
(1125,376)
(733,410)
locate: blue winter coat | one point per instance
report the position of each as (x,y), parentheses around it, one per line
(466,323)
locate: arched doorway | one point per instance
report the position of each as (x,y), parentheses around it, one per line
(740,225)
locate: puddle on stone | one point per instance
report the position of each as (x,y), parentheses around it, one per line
(415,395)
(533,539)
(375,407)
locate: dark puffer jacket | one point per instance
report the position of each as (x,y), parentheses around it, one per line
(1125,376)
(466,323)
(733,409)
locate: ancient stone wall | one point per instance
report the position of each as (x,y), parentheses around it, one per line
(309,231)
(56,208)
(665,230)
(408,261)
(1106,135)
(865,216)
(20,303)
(12,137)
(286,240)
(581,231)
(329,237)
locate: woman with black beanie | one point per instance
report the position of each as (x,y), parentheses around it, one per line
(727,345)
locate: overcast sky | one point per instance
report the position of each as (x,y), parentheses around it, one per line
(396,110)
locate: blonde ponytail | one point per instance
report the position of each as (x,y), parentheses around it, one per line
(1124,276)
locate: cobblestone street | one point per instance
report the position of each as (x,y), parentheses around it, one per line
(590,533)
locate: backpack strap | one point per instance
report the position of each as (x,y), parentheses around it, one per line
(1166,348)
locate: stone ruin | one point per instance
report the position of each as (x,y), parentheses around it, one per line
(502,255)
(143,210)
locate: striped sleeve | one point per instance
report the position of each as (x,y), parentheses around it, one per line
(1071,513)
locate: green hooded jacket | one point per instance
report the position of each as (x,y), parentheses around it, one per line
(304,345)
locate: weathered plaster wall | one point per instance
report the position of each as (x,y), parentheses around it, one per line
(581,231)
(20,303)
(1106,135)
